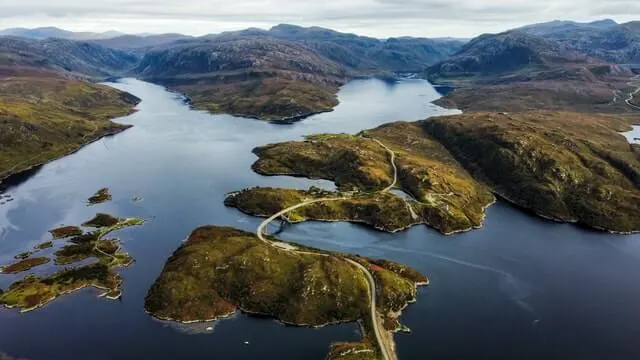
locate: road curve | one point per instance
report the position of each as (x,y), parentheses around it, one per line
(384,349)
(631,96)
(393,164)
(264,224)
(387,353)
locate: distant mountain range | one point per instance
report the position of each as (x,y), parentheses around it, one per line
(290,71)
(53,32)
(605,39)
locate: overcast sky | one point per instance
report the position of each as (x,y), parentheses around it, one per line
(379,18)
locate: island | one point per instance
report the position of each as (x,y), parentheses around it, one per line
(99,197)
(221,270)
(87,259)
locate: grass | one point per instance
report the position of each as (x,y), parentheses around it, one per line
(272,98)
(100,197)
(564,166)
(44,245)
(33,292)
(45,117)
(383,211)
(350,161)
(102,220)
(65,232)
(219,270)
(24,265)
(446,196)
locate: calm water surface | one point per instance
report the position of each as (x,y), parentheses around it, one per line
(519,288)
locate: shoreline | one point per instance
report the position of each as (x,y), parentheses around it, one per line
(15,173)
(364,222)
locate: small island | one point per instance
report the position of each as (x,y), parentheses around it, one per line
(99,197)
(221,270)
(89,259)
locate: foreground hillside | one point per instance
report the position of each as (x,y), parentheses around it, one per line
(221,270)
(44,116)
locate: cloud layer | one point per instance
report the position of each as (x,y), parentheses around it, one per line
(379,18)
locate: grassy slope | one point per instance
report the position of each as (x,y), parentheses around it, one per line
(566,166)
(219,270)
(46,116)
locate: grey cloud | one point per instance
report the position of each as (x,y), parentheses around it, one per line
(378,15)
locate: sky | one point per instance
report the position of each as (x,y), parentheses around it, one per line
(378,18)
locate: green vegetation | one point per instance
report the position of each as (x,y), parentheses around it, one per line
(24,265)
(44,116)
(101,256)
(219,270)
(352,351)
(65,232)
(565,166)
(273,98)
(101,220)
(383,211)
(44,245)
(23,255)
(33,292)
(350,161)
(443,194)
(99,197)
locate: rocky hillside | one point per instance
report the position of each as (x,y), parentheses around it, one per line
(505,53)
(68,56)
(564,166)
(258,77)
(606,40)
(515,71)
(369,55)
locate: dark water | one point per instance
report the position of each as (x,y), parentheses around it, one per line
(519,288)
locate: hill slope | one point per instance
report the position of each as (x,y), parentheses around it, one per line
(515,71)
(44,116)
(79,58)
(606,40)
(264,78)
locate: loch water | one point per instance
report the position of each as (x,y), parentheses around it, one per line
(521,287)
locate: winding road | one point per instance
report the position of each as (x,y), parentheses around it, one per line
(385,348)
(632,94)
(393,164)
